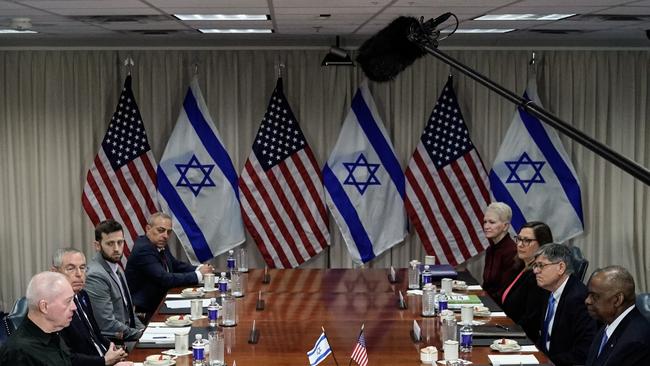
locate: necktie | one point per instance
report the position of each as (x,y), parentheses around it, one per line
(163,258)
(127,297)
(81,313)
(547,321)
(603,341)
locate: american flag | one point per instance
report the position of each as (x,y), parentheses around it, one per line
(281,190)
(121,182)
(446,185)
(359,354)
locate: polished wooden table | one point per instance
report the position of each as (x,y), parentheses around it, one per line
(300,301)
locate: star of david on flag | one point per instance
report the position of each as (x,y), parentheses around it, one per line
(533,174)
(197,183)
(364,182)
(320,351)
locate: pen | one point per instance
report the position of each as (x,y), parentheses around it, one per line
(503,327)
(163,337)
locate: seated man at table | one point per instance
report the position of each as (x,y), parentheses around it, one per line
(625,338)
(109,293)
(87,344)
(567,328)
(36,342)
(152,269)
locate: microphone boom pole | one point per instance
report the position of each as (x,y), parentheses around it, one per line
(633,168)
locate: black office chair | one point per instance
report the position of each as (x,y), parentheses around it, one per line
(4,328)
(643,304)
(17,314)
(580,264)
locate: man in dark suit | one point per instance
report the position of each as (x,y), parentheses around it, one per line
(625,338)
(567,329)
(83,336)
(152,269)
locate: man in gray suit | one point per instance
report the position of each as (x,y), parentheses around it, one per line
(107,287)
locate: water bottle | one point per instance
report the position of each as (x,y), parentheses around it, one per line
(427,276)
(466,335)
(213,312)
(428,300)
(442,301)
(216,343)
(231,260)
(223,284)
(198,351)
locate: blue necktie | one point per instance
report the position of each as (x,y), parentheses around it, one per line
(602,343)
(549,315)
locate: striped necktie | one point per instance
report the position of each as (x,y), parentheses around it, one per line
(550,311)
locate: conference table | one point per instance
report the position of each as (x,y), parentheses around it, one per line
(300,303)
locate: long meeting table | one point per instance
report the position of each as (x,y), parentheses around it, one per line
(298,302)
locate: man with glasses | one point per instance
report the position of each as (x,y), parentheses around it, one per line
(152,269)
(567,329)
(107,287)
(625,338)
(83,336)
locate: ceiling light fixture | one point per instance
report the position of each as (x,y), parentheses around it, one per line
(478,31)
(515,17)
(16,31)
(337,56)
(233,31)
(235,17)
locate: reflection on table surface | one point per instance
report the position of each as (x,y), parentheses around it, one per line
(298,302)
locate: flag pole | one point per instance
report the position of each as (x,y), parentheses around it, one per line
(335,361)
(361,331)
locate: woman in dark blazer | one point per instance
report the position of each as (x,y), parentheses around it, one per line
(522,298)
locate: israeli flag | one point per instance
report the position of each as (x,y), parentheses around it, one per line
(197,183)
(320,351)
(533,174)
(365,183)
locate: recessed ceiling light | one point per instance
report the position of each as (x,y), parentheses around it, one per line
(240,17)
(469,30)
(236,30)
(16,31)
(524,16)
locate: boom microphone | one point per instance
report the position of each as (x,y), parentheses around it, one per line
(390,51)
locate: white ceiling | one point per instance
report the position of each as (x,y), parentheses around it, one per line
(148,23)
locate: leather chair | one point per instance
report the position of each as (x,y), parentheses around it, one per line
(17,314)
(4,329)
(580,264)
(643,304)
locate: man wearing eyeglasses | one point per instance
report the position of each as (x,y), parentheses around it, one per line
(625,338)
(567,329)
(107,287)
(152,269)
(87,345)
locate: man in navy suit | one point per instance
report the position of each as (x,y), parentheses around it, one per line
(567,329)
(152,269)
(83,336)
(625,338)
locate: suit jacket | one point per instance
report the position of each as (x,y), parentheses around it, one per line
(106,299)
(149,280)
(500,267)
(573,329)
(78,338)
(522,304)
(629,345)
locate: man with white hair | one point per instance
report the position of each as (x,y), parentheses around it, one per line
(36,342)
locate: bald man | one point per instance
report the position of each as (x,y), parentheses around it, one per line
(36,342)
(625,338)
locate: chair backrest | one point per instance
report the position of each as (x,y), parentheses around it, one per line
(580,264)
(643,304)
(4,328)
(17,314)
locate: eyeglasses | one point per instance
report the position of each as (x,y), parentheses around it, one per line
(525,241)
(541,266)
(73,269)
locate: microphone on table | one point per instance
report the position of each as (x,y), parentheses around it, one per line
(393,49)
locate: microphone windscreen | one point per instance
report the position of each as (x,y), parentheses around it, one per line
(388,52)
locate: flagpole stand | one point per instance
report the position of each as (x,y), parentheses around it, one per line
(633,168)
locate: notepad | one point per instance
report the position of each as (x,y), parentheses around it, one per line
(513,360)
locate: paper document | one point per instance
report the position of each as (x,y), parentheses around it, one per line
(498,314)
(513,360)
(174,296)
(178,304)
(163,335)
(474,288)
(526,349)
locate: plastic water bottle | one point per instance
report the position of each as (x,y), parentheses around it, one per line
(223,284)
(427,275)
(442,301)
(198,351)
(466,335)
(231,260)
(213,312)
(428,300)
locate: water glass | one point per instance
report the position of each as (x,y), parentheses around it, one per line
(242,260)
(237,283)
(449,331)
(229,311)
(181,342)
(196,309)
(216,343)
(414,274)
